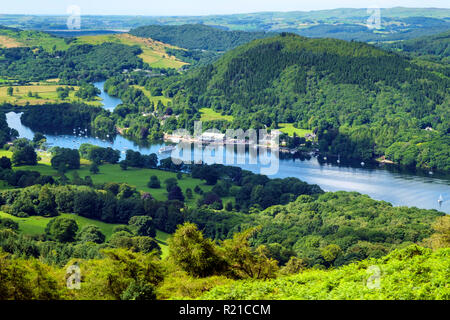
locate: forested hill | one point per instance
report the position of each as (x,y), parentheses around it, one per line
(436,47)
(365,102)
(198,36)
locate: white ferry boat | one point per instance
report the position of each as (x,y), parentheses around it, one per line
(167,149)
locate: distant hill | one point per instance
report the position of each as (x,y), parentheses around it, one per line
(365,102)
(435,47)
(198,36)
(13,38)
(153,52)
(343,23)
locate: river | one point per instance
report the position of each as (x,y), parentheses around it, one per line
(399,187)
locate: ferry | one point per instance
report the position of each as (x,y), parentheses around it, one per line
(167,149)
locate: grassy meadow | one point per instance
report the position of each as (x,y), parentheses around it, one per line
(46,93)
(208,114)
(289,129)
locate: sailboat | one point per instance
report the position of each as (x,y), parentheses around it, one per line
(441,199)
(339,159)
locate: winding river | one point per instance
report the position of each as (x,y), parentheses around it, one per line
(399,187)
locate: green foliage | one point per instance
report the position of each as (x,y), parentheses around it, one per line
(64,118)
(246,262)
(64,157)
(195,254)
(28,279)
(434,48)
(23,153)
(62,229)
(87,92)
(94,168)
(98,154)
(91,233)
(143,226)
(86,62)
(120,275)
(154,183)
(407,274)
(441,236)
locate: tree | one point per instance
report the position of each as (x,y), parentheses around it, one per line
(62,229)
(94,168)
(10,91)
(139,291)
(5,163)
(91,233)
(179,175)
(198,190)
(176,194)
(123,165)
(245,261)
(23,153)
(189,194)
(293,266)
(47,204)
(331,252)
(65,157)
(229,206)
(154,183)
(170,183)
(195,254)
(63,93)
(441,236)
(143,226)
(38,138)
(145,245)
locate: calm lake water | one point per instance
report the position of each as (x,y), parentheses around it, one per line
(399,187)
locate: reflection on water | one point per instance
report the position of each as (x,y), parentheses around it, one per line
(109,103)
(399,187)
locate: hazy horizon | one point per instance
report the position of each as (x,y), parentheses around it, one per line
(200,7)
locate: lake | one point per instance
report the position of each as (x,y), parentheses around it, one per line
(397,186)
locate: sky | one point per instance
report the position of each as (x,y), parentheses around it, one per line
(198,7)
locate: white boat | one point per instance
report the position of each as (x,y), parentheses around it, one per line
(441,199)
(166,149)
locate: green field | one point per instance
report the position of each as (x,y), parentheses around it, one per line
(165,101)
(140,177)
(36,225)
(211,115)
(289,129)
(46,94)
